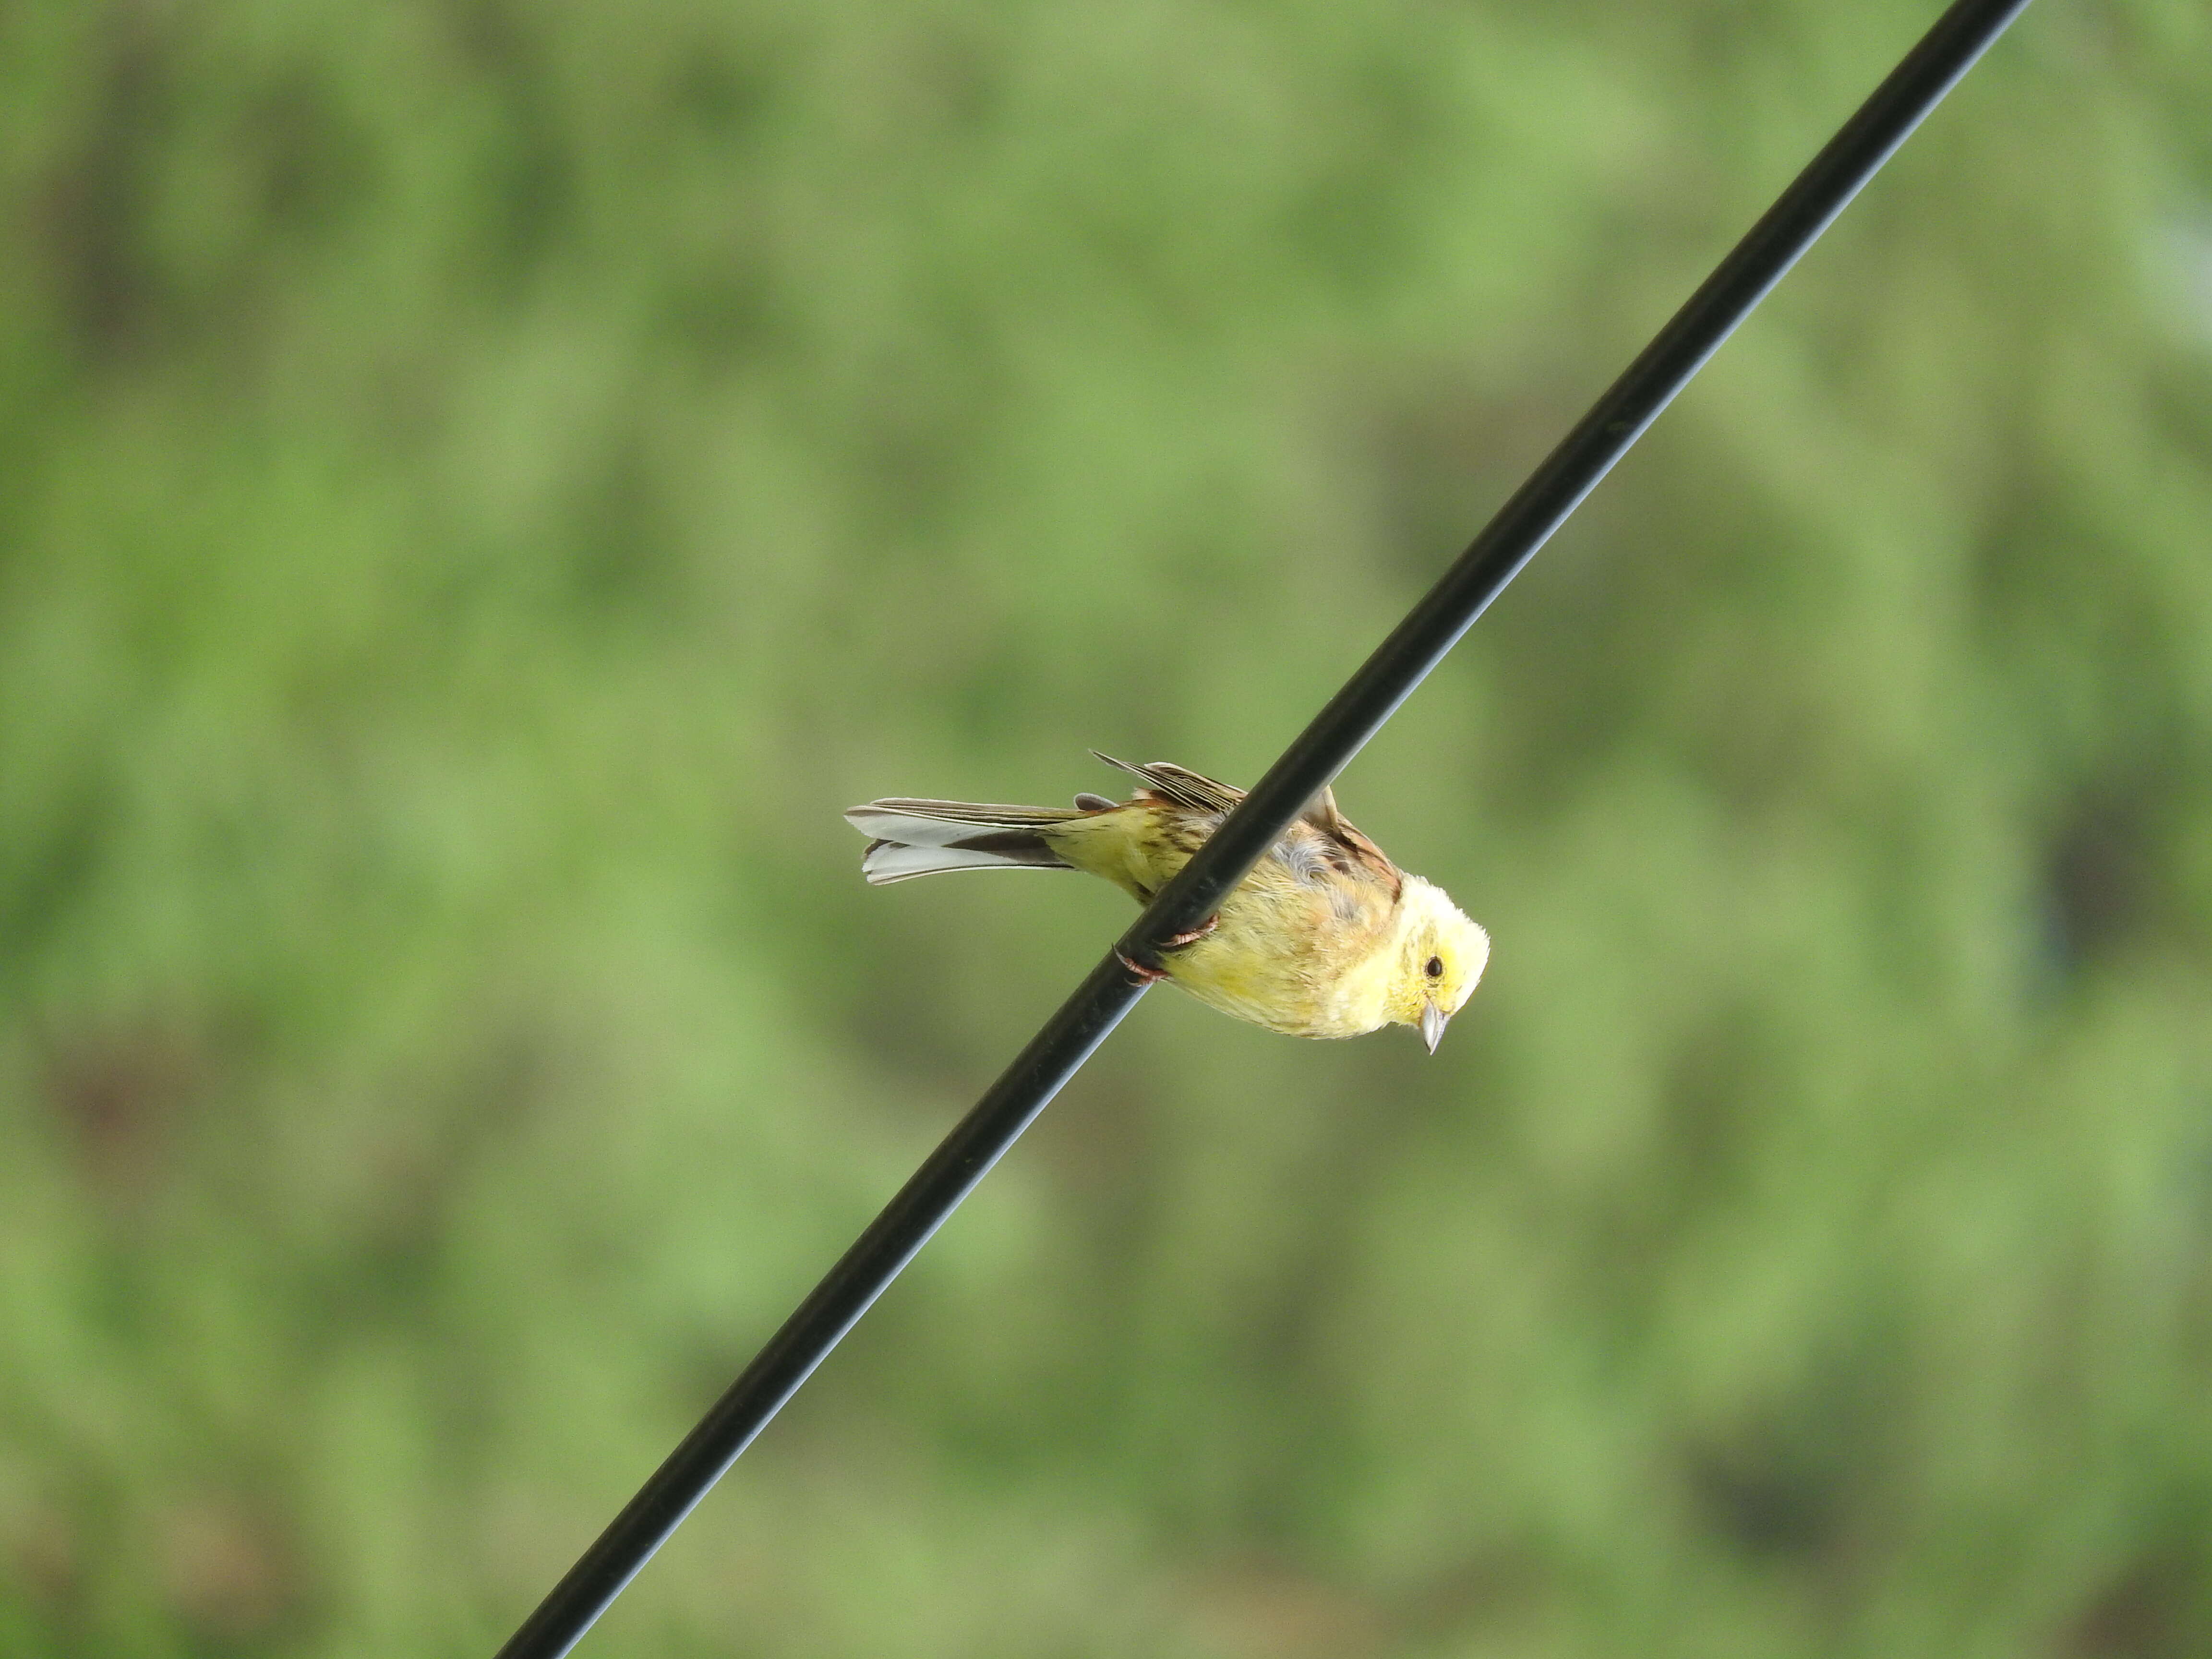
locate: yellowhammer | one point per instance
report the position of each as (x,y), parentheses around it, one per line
(1326,938)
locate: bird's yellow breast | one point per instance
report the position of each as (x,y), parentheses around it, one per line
(1308,954)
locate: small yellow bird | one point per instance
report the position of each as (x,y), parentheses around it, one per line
(1326,937)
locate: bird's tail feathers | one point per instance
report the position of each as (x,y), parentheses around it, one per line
(927,838)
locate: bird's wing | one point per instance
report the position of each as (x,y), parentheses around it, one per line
(1345,848)
(1322,837)
(1181,785)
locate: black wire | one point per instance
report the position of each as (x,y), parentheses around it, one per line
(1340,732)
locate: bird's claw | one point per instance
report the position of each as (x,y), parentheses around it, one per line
(1145,975)
(1137,971)
(1175,942)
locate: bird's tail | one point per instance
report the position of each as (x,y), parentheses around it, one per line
(923,837)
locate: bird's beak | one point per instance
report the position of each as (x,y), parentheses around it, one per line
(1433,1021)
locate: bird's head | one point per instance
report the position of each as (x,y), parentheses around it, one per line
(1441,954)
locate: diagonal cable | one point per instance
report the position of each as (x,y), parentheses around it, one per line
(1521,526)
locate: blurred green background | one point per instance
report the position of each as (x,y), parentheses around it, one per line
(484,484)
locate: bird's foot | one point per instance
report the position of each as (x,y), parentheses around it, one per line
(1137,971)
(1175,942)
(1145,975)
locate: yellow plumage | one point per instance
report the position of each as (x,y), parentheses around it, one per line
(1326,938)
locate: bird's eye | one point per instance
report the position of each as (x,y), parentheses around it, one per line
(1436,968)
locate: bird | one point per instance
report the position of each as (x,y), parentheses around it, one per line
(1325,938)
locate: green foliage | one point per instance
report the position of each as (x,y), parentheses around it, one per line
(482,485)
